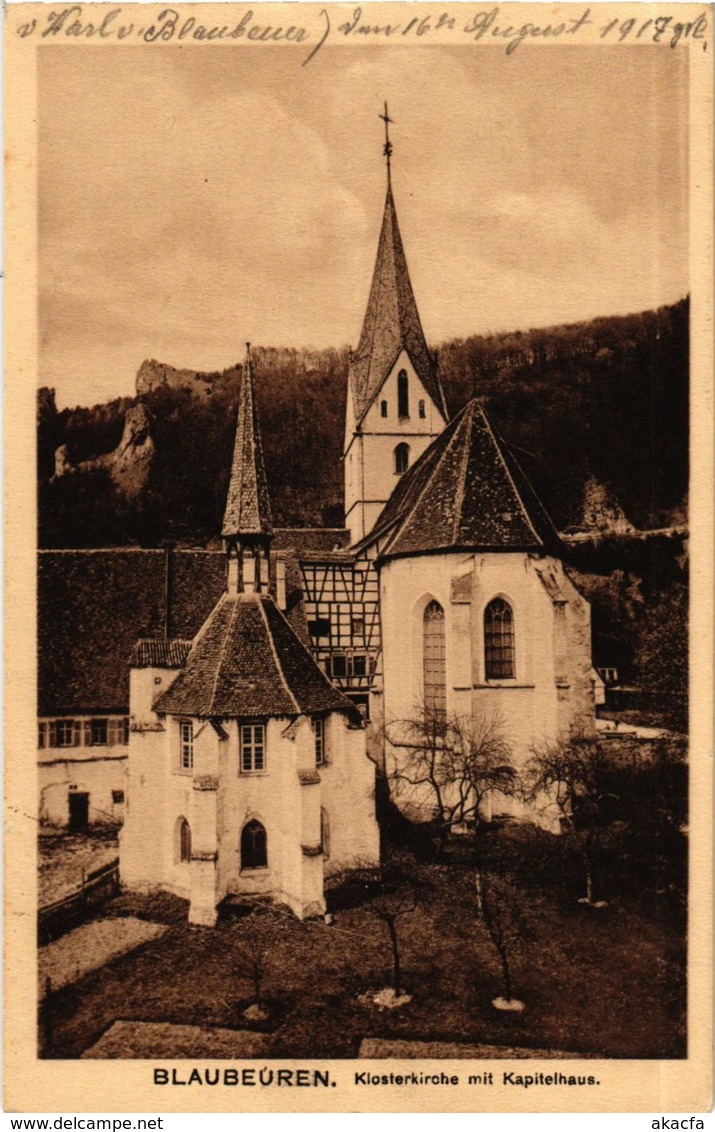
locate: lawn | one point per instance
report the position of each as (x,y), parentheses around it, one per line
(607,982)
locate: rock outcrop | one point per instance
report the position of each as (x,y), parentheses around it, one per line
(602,512)
(128,464)
(153,375)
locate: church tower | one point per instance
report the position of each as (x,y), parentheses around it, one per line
(395,404)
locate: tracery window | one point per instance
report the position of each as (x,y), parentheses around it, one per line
(499,640)
(434,653)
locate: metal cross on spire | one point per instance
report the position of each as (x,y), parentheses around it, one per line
(387,148)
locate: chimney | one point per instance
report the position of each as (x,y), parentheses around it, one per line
(281,583)
(168,584)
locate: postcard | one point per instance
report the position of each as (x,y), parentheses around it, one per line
(359,496)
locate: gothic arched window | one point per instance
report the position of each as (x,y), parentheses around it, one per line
(434,653)
(402,459)
(403,394)
(182,852)
(498,640)
(254,846)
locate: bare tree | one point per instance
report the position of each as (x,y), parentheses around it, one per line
(398,897)
(394,885)
(506,925)
(253,955)
(573,774)
(456,760)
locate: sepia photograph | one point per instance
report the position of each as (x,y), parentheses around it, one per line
(363,395)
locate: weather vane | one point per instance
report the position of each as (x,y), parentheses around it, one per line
(387,148)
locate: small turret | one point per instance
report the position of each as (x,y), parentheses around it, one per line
(247,524)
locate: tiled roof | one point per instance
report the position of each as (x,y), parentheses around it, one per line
(310,539)
(93,606)
(466,492)
(159,653)
(392,323)
(247,661)
(248,509)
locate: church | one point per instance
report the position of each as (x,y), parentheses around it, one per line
(252,736)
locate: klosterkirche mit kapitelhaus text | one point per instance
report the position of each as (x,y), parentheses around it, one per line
(235,708)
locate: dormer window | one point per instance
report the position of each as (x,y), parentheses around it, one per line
(383,408)
(403,395)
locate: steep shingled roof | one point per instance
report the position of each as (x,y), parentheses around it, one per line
(465,492)
(94,604)
(247,661)
(248,508)
(392,323)
(157,652)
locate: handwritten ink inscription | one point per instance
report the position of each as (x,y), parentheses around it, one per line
(478,26)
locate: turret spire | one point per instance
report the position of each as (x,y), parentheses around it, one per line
(247,523)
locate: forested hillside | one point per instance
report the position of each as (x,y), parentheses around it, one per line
(602,402)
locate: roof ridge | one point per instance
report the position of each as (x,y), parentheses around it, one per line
(403,518)
(497,445)
(222,650)
(459,496)
(274,653)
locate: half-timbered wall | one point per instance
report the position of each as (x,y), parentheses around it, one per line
(341,606)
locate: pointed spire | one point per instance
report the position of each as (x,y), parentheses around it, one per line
(248,510)
(392,322)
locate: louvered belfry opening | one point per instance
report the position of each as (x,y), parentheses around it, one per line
(435,665)
(499,640)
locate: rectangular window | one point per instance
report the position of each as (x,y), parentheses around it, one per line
(42,736)
(186,745)
(65,733)
(319,629)
(340,667)
(118,731)
(118,797)
(98,732)
(359,666)
(253,748)
(319,726)
(358,626)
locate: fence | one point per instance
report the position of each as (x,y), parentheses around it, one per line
(62,915)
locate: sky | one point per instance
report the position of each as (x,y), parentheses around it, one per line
(192,200)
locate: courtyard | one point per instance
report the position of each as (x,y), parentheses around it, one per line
(603,981)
